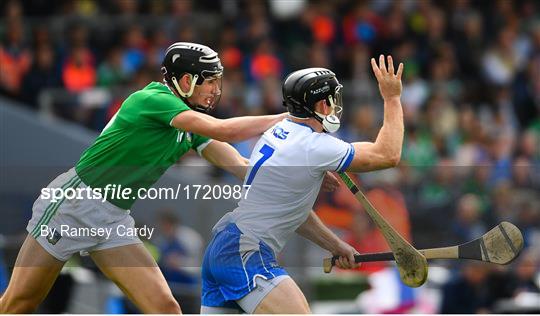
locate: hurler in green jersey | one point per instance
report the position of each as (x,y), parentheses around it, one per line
(154,127)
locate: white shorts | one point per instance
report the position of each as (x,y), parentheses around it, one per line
(68,226)
(251,301)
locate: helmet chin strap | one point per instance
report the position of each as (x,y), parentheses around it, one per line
(191,88)
(185,95)
(329,122)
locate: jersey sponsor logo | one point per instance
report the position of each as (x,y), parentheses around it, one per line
(280,133)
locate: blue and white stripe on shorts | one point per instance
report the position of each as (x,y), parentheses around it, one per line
(231,264)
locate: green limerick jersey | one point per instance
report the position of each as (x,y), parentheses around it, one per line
(138,145)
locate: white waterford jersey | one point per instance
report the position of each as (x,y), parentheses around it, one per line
(288,165)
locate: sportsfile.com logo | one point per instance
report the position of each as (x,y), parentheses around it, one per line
(119,192)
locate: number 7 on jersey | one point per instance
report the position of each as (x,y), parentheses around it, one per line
(266,152)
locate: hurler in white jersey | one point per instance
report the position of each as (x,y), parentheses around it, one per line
(287,167)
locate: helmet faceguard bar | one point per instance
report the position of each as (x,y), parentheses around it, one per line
(336,102)
(211,74)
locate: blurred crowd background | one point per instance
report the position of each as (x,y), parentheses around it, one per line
(471,101)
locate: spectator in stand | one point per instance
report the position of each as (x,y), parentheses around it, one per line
(134,50)
(523,175)
(265,62)
(111,71)
(528,216)
(469,44)
(79,72)
(42,37)
(415,88)
(181,250)
(78,35)
(363,123)
(467,224)
(361,25)
(254,26)
(501,148)
(501,63)
(529,146)
(528,268)
(158,42)
(231,55)
(442,119)
(13,10)
(126,8)
(15,59)
(466,293)
(436,195)
(42,75)
(322,24)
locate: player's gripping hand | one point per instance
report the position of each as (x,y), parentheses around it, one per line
(346,256)
(330,182)
(389,82)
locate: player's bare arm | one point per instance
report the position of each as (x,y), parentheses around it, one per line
(227,130)
(314,230)
(226,157)
(385,152)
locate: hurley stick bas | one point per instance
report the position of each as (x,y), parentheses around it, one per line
(500,245)
(411,263)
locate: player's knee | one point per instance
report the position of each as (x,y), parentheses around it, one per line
(171,307)
(301,306)
(305,308)
(168,305)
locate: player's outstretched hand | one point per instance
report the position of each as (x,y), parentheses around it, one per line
(389,82)
(346,256)
(330,182)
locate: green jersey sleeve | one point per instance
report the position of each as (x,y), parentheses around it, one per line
(162,108)
(199,142)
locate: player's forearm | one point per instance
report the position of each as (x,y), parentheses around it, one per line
(239,168)
(227,130)
(242,128)
(390,138)
(314,230)
(226,157)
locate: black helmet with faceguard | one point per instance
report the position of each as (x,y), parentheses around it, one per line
(200,62)
(303,88)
